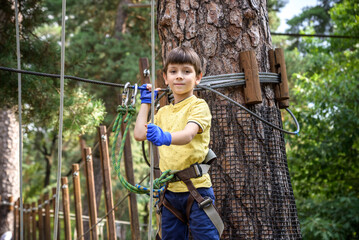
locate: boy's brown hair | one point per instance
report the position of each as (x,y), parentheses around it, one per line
(183,55)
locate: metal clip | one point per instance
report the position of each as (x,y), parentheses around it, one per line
(125,94)
(134,93)
(103,138)
(146,72)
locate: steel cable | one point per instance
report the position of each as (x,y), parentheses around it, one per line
(20,116)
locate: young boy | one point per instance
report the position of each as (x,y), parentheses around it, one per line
(182,129)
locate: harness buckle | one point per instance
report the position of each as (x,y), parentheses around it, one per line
(205,203)
(197,168)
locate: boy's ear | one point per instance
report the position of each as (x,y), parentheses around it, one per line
(198,78)
(165,78)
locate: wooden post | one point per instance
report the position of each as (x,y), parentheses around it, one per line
(160,83)
(107,185)
(91,191)
(33,225)
(277,65)
(53,210)
(66,208)
(11,206)
(132,200)
(16,220)
(47,225)
(26,222)
(41,219)
(252,89)
(77,199)
(144,67)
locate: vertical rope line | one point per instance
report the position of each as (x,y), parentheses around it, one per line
(60,119)
(153,69)
(20,117)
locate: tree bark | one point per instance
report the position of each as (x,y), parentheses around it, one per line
(250,177)
(9,162)
(121,17)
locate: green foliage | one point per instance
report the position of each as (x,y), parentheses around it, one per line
(318,218)
(91,113)
(273,7)
(324,158)
(318,15)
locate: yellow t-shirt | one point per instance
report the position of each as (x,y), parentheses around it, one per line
(173,118)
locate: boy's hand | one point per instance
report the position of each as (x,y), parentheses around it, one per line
(146,93)
(156,135)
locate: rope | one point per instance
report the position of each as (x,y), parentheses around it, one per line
(158,183)
(153,65)
(20,116)
(112,209)
(60,119)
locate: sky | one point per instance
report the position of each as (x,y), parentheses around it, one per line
(292,8)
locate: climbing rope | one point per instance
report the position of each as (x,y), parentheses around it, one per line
(159,183)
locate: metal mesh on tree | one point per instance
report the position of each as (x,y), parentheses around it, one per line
(250,177)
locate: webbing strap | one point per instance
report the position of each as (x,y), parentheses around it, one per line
(174,211)
(209,209)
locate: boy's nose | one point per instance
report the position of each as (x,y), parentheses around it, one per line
(179,76)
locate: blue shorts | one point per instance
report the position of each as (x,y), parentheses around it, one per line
(200,225)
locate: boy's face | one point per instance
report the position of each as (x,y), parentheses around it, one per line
(182,79)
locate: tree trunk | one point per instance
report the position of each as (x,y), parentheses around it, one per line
(9,162)
(250,177)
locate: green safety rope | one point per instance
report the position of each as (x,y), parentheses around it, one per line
(159,183)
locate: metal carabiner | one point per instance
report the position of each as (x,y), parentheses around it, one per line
(134,93)
(125,95)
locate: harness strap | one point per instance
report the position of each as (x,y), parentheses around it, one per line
(207,205)
(190,201)
(194,171)
(174,211)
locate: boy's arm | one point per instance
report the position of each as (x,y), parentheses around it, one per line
(156,135)
(141,122)
(186,135)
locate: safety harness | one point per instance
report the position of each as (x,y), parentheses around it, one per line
(194,171)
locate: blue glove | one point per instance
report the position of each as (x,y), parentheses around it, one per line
(146,94)
(156,135)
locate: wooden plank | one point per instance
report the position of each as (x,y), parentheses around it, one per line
(33,218)
(252,89)
(66,207)
(11,206)
(47,225)
(91,192)
(160,83)
(107,184)
(41,219)
(77,199)
(53,211)
(282,70)
(144,66)
(281,90)
(26,222)
(16,220)
(132,200)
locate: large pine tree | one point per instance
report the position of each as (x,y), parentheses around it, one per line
(251,179)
